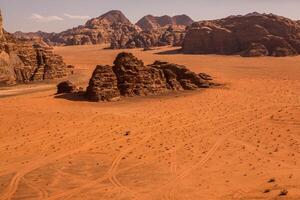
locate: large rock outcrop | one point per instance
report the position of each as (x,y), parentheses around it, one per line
(130,77)
(22,61)
(250,35)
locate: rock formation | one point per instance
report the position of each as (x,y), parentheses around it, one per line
(130,77)
(152,23)
(22,61)
(103,85)
(250,35)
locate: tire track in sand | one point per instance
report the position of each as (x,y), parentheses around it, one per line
(207,156)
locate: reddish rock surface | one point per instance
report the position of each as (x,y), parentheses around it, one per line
(103,85)
(251,35)
(130,77)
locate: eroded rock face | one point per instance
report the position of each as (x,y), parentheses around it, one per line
(252,35)
(103,85)
(255,50)
(136,79)
(22,61)
(130,77)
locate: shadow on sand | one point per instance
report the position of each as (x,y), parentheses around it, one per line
(170,52)
(71,96)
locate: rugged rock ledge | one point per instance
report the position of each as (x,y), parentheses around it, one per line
(130,77)
(22,61)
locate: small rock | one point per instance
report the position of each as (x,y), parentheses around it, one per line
(283,192)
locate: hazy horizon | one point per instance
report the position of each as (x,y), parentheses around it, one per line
(59,15)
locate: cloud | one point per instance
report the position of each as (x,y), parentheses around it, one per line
(76,16)
(41,18)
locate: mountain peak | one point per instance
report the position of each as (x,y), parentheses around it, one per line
(115,16)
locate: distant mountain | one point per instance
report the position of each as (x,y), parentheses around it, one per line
(30,35)
(253,34)
(97,30)
(115,29)
(150,22)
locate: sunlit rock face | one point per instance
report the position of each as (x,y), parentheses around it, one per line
(23,61)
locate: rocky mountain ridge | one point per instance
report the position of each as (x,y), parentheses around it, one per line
(114,29)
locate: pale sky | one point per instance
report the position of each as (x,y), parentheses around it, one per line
(59,15)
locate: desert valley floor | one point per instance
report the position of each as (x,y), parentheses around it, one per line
(238,141)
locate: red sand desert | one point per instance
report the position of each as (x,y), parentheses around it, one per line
(238,141)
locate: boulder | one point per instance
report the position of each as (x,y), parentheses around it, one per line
(66,87)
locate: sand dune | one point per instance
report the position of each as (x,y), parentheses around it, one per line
(240,141)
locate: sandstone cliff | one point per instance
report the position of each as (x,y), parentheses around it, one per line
(22,61)
(250,35)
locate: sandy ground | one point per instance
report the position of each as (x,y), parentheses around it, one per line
(238,142)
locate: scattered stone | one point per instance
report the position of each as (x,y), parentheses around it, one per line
(271,180)
(267,190)
(283,192)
